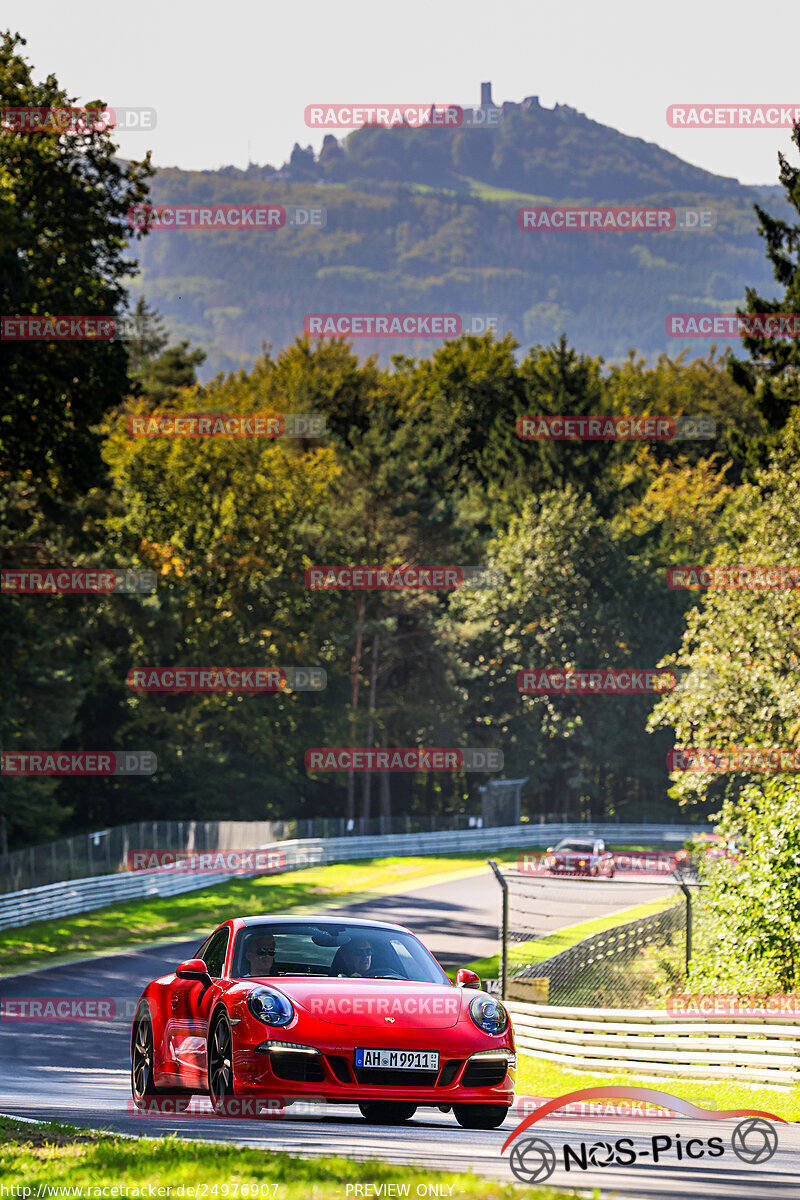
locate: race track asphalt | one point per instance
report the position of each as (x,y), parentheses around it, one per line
(78,1071)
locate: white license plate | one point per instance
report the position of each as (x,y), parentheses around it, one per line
(401,1060)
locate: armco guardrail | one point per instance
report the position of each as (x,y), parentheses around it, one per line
(652,1042)
(106,851)
(81,895)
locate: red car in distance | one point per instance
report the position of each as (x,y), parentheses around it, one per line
(580,856)
(353,1012)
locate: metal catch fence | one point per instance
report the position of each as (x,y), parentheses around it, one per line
(593,942)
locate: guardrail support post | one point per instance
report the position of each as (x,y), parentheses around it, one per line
(504,935)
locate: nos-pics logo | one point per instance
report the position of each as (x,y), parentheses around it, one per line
(533,1159)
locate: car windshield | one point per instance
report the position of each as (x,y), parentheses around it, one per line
(332,949)
(582,847)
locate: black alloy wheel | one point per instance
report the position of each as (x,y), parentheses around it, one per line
(220,1062)
(142,1060)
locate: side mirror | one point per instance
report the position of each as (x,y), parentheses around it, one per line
(468,979)
(194,968)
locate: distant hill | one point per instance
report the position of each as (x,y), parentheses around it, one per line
(426,220)
(536,150)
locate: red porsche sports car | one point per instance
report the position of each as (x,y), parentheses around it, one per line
(355,1012)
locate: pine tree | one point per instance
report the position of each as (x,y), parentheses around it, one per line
(771,376)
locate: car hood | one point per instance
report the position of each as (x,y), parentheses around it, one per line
(362,1002)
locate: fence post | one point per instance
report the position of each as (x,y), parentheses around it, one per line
(504,935)
(685,889)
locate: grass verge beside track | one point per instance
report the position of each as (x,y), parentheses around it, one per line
(81,1160)
(538,1078)
(170,918)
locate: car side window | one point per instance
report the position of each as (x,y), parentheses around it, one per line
(213,953)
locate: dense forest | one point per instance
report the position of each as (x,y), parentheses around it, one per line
(420,464)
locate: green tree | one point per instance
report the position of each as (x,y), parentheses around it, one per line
(63,233)
(747,925)
(772,373)
(740,652)
(569,597)
(145,336)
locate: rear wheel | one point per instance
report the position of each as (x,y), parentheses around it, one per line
(480,1116)
(385,1112)
(142,1084)
(145,1093)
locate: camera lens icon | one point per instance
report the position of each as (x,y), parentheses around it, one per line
(533,1160)
(601,1154)
(754,1140)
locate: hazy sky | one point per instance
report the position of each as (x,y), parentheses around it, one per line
(230,81)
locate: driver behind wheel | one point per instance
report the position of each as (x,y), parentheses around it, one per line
(355,959)
(259,951)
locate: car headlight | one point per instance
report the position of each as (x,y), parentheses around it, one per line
(488,1014)
(270,1007)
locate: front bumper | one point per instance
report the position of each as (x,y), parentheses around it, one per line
(463,1077)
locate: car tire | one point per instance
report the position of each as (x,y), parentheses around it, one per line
(387,1112)
(220,1062)
(144,1091)
(480,1116)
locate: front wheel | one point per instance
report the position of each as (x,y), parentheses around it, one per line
(480,1116)
(220,1063)
(383,1112)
